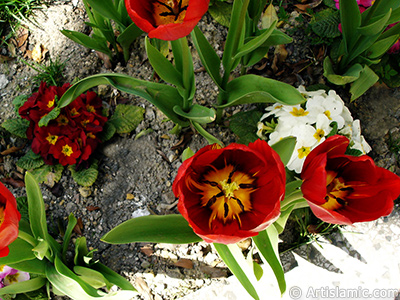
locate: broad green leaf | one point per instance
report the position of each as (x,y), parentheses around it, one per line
(254,43)
(22,206)
(113,277)
(197,113)
(72,221)
(127,37)
(44,121)
(163,66)
(376,27)
(41,250)
(244,125)
(84,176)
(92,277)
(350,18)
(20,250)
(325,23)
(285,148)
(107,9)
(187,153)
(30,161)
(367,79)
(234,259)
(16,126)
(267,244)
(257,89)
(34,266)
(48,174)
(126,118)
(107,133)
(24,286)
(19,101)
(352,74)
(65,281)
(164,97)
(208,56)
(88,42)
(37,211)
(171,229)
(381,47)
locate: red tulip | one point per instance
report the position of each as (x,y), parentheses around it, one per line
(9,219)
(229,194)
(166,19)
(343,189)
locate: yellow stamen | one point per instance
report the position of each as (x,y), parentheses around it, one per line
(50,104)
(319,134)
(90,108)
(85,122)
(67,150)
(74,112)
(90,135)
(62,120)
(226,192)
(328,114)
(303,152)
(169,11)
(336,192)
(299,112)
(52,139)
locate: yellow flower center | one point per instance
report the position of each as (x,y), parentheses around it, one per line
(328,114)
(85,122)
(169,11)
(319,134)
(336,192)
(62,120)
(90,108)
(90,135)
(226,192)
(74,112)
(12,278)
(50,104)
(67,150)
(299,112)
(52,139)
(303,152)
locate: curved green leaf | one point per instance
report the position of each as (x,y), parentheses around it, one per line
(163,66)
(267,243)
(113,277)
(257,89)
(367,79)
(376,26)
(98,44)
(381,47)
(72,221)
(208,56)
(37,211)
(197,113)
(234,259)
(91,277)
(350,18)
(24,286)
(208,136)
(171,229)
(20,250)
(34,266)
(285,148)
(352,74)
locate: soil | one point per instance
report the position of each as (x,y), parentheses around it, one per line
(136,175)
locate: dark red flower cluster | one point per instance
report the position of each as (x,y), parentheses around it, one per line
(72,137)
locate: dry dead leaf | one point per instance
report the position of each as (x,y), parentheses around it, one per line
(92,208)
(14,182)
(147,250)
(304,7)
(38,53)
(10,150)
(130,196)
(105,59)
(143,288)
(4,58)
(269,17)
(78,227)
(184,263)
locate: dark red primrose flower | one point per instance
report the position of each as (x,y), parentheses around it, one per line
(343,189)
(229,194)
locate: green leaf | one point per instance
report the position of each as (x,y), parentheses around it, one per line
(97,44)
(208,56)
(41,250)
(44,121)
(37,211)
(127,117)
(34,266)
(267,244)
(375,27)
(65,281)
(221,12)
(24,286)
(19,101)
(325,23)
(380,47)
(92,277)
(113,277)
(72,221)
(257,89)
(280,223)
(22,206)
(187,153)
(84,176)
(234,259)
(197,113)
(20,250)
(163,66)
(367,79)
(127,37)
(209,137)
(244,125)
(350,18)
(16,126)
(107,9)
(107,133)
(352,74)
(258,271)
(171,229)
(285,148)
(30,161)
(48,174)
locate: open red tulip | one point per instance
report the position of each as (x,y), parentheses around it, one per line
(9,219)
(344,189)
(166,20)
(229,194)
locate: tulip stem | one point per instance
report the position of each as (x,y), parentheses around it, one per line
(27,238)
(294,198)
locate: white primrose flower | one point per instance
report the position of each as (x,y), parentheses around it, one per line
(353,132)
(330,106)
(15,276)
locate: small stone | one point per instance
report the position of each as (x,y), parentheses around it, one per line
(85,191)
(145,264)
